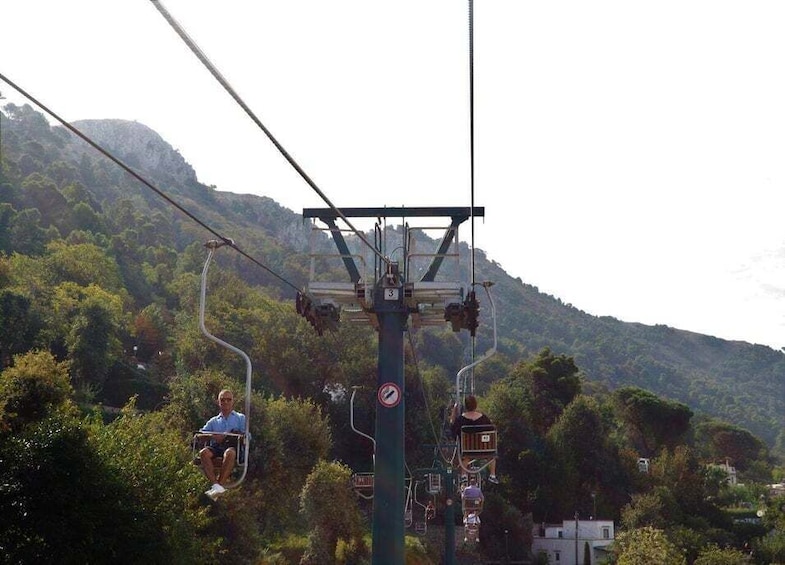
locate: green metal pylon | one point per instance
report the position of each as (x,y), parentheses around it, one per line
(389,489)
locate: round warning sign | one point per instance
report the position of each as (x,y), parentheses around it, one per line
(389,395)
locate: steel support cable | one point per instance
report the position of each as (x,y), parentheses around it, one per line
(220,78)
(226,240)
(471,159)
(436,437)
(471,123)
(489,353)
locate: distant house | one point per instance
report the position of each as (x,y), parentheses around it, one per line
(643,465)
(573,538)
(730,471)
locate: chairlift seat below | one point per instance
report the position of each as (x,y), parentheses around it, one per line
(202,439)
(434,483)
(362,481)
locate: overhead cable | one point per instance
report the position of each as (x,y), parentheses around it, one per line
(219,77)
(471,121)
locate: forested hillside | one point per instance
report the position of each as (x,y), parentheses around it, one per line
(740,382)
(99,290)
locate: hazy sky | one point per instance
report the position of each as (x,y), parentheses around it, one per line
(630,156)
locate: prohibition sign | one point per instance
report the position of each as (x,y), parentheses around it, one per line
(389,395)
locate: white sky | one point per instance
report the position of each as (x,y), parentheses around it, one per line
(630,155)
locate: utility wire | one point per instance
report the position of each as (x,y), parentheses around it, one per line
(219,77)
(436,437)
(471,155)
(137,176)
(471,121)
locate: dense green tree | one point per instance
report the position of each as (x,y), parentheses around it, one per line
(646,545)
(774,515)
(587,461)
(293,437)
(84,264)
(87,219)
(40,192)
(152,460)
(62,506)
(771,548)
(552,381)
(7,216)
(89,345)
(646,509)
(714,555)
(442,348)
(62,173)
(35,387)
(28,236)
(151,331)
(29,121)
(721,441)
(75,192)
(123,215)
(19,327)
(522,452)
(681,474)
(93,325)
(651,422)
(328,487)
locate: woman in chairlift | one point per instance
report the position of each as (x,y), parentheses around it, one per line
(471,417)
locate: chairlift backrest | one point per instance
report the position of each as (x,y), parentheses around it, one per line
(478,440)
(362,481)
(434,483)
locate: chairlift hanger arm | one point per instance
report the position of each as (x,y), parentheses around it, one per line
(351,420)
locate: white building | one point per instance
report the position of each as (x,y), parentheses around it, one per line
(562,543)
(730,470)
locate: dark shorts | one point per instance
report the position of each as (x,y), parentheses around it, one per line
(218,449)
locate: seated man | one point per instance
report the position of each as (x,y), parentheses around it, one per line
(471,417)
(471,500)
(227,421)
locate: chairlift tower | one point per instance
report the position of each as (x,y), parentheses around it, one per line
(389,299)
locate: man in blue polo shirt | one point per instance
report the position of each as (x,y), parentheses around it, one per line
(227,421)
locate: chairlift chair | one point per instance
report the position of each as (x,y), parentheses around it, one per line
(362,483)
(242,438)
(478,443)
(202,439)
